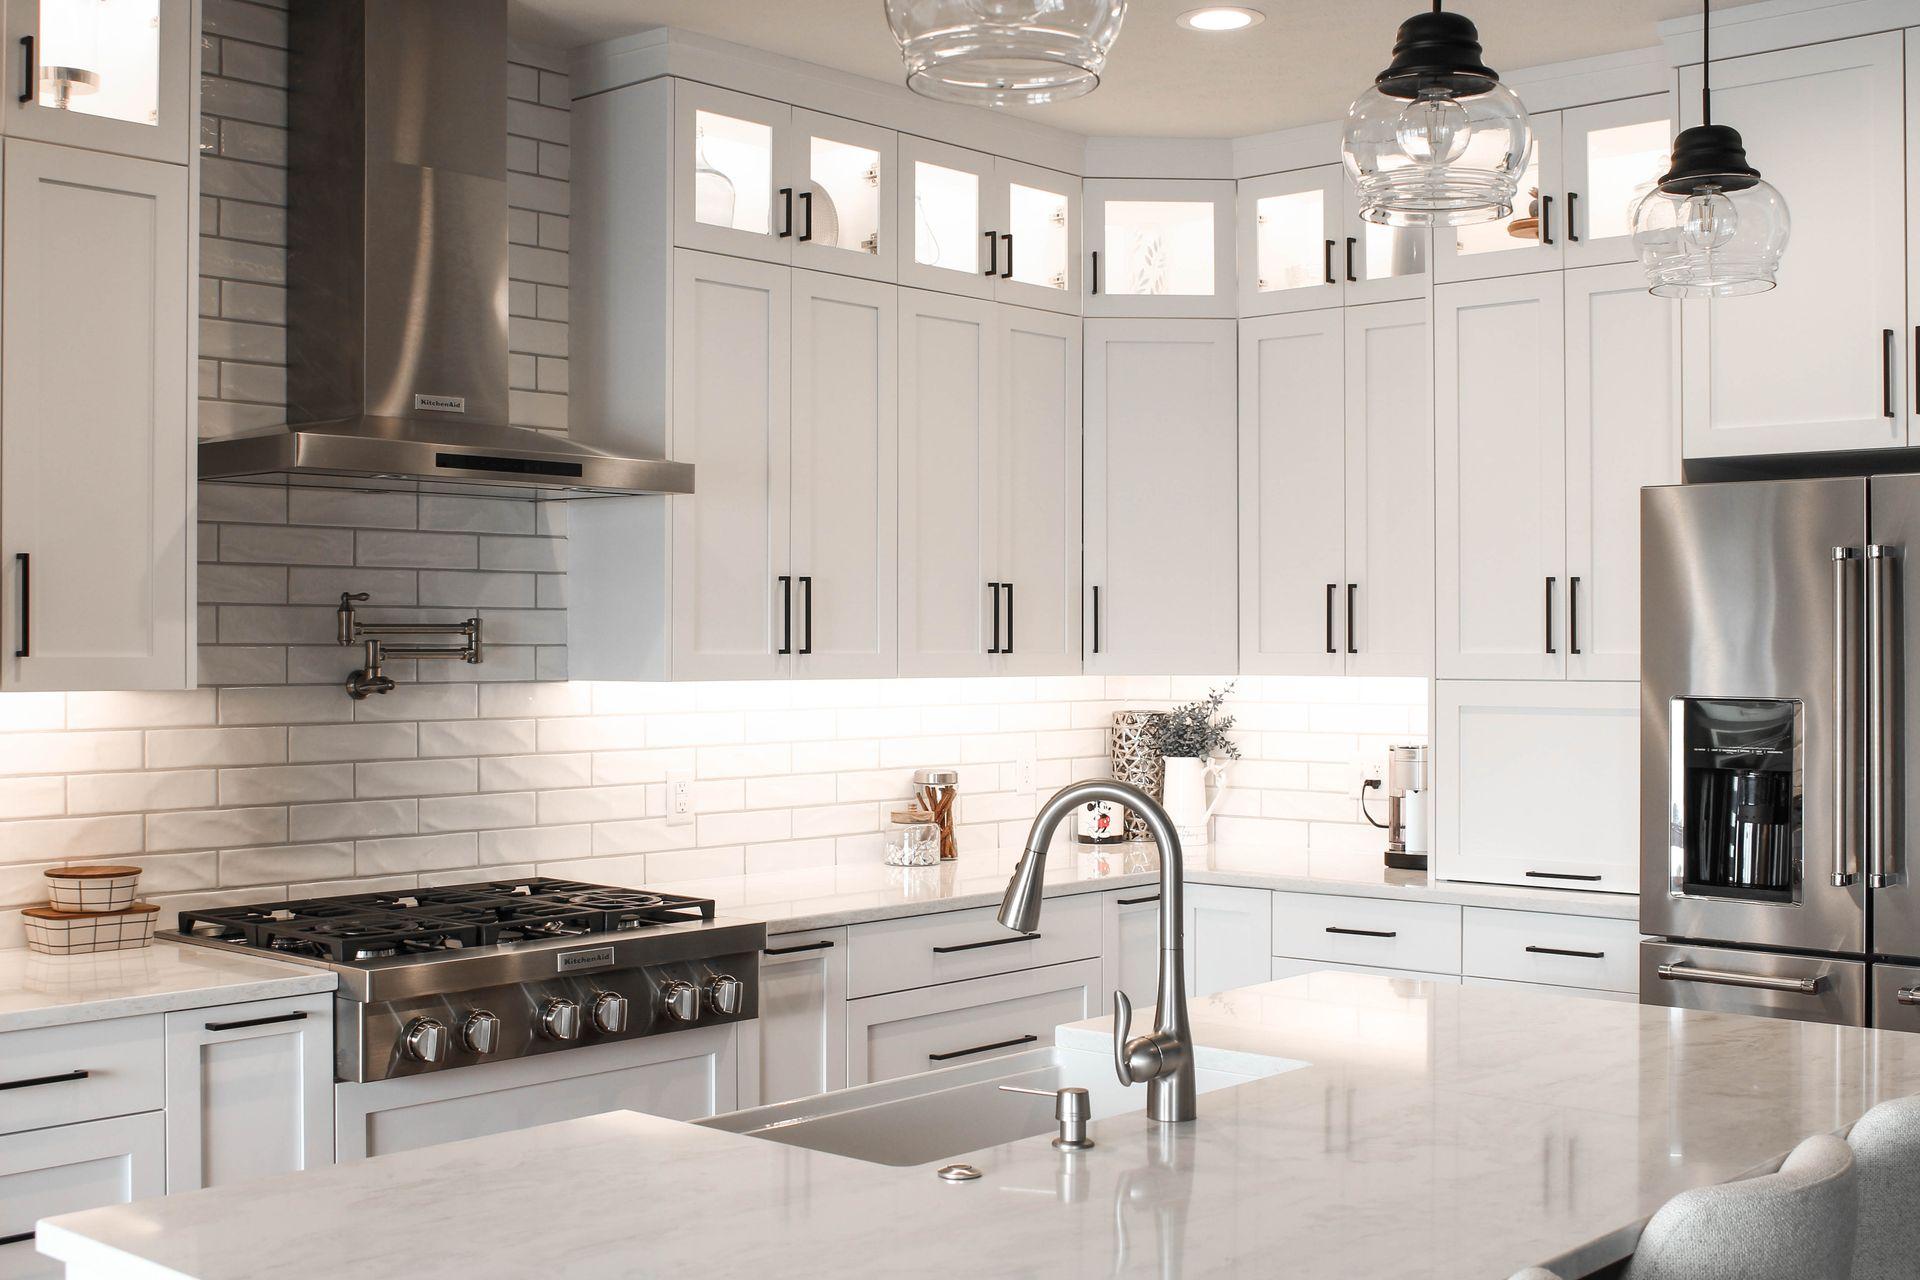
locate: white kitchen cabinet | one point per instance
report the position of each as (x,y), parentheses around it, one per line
(1820,362)
(1161,523)
(1554,950)
(908,1032)
(1380,932)
(249,1091)
(1130,950)
(1228,936)
(1500,478)
(1623,433)
(62,1074)
(48,1172)
(1160,247)
(1304,245)
(1530,238)
(797,1047)
(1037,471)
(1036,216)
(946,207)
(1614,153)
(96,501)
(847,217)
(1537,783)
(136,63)
(948,946)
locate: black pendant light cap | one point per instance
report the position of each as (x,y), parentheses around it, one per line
(1709,152)
(1437,50)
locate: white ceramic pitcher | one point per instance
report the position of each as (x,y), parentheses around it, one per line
(1185,797)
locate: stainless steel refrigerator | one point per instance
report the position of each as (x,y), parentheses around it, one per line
(1777,853)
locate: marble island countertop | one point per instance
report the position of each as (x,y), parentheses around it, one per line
(45,991)
(1437,1132)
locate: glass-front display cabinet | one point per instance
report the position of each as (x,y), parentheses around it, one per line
(1160,248)
(988,227)
(846,215)
(1530,238)
(1306,246)
(109,75)
(1038,211)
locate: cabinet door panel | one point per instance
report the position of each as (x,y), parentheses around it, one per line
(145,57)
(1499,446)
(1161,522)
(1292,248)
(1803,367)
(1531,238)
(94,462)
(1040,210)
(731,420)
(1615,152)
(1039,491)
(845,546)
(797,1047)
(1228,938)
(908,1032)
(1165,247)
(945,203)
(729,168)
(48,1172)
(1131,951)
(249,1091)
(844,173)
(1292,494)
(1389,416)
(1623,432)
(949,364)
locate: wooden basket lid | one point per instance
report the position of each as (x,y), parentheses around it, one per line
(88,873)
(53,913)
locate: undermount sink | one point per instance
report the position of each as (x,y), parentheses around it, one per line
(937,1115)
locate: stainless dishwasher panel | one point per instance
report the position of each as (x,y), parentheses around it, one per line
(1767,984)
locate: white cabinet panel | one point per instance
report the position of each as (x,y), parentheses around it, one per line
(81,1071)
(843,174)
(1293,253)
(249,1091)
(1160,247)
(1560,951)
(1161,524)
(1228,936)
(913,1031)
(732,421)
(1036,214)
(732,190)
(946,199)
(145,56)
(797,1047)
(48,1172)
(1131,946)
(96,540)
(1623,432)
(1819,362)
(1039,475)
(1379,932)
(1389,490)
(1532,237)
(921,951)
(1537,783)
(844,541)
(1500,481)
(1615,152)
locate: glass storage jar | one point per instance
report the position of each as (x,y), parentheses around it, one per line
(913,839)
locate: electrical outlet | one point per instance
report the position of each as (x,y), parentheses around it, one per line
(1024,768)
(1369,773)
(679,797)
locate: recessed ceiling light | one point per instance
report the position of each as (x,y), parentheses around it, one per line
(1220,17)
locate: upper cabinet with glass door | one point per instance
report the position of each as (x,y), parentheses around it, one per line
(108,75)
(985,227)
(1303,245)
(760,179)
(1160,247)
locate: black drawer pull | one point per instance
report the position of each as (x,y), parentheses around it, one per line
(1364,933)
(256,1022)
(796,950)
(1134,902)
(63,1078)
(990,942)
(21,1238)
(1562,951)
(981,1048)
(1557,875)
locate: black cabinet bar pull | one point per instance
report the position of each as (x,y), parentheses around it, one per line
(806,216)
(1134,902)
(65,1077)
(990,942)
(21,1238)
(806,585)
(25,561)
(256,1022)
(1353,589)
(1886,373)
(1095,282)
(786,613)
(1009,645)
(1006,268)
(1573,234)
(1546,219)
(786,194)
(993,254)
(1364,933)
(30,69)
(1351,241)
(993,589)
(1550,582)
(981,1048)
(1558,875)
(796,950)
(1562,951)
(1329,263)
(1096,619)
(1332,589)
(1573,615)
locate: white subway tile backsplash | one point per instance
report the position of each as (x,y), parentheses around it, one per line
(216,828)
(188,748)
(417,777)
(285,784)
(478,812)
(39,839)
(354,820)
(139,792)
(352,741)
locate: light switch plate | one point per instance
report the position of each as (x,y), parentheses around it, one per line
(679,797)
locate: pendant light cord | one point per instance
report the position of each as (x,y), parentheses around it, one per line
(1706,65)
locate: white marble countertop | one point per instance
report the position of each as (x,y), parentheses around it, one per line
(1437,1132)
(792,901)
(46,991)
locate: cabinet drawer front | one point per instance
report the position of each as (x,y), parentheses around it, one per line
(68,1170)
(919,951)
(1377,932)
(59,1075)
(1558,951)
(913,1031)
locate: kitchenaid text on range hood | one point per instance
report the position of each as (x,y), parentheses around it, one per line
(397,267)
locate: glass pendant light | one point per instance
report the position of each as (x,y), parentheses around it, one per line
(1437,141)
(1711,227)
(1001,53)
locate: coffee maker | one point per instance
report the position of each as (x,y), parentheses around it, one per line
(1407,807)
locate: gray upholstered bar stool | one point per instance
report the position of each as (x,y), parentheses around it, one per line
(1886,1153)
(1797,1224)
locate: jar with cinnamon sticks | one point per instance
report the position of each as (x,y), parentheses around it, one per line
(936,790)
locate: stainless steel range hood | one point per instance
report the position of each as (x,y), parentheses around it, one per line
(397,267)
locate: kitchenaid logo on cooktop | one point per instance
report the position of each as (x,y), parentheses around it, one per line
(575,961)
(440,404)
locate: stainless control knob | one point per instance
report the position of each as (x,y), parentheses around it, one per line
(480,1033)
(683,1001)
(610,1012)
(560,1020)
(426,1040)
(726,993)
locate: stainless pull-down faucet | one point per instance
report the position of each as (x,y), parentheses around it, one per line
(1164,1059)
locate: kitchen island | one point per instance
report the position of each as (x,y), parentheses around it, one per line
(1437,1131)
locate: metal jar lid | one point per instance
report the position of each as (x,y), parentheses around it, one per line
(936,777)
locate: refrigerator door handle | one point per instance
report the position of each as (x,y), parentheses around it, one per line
(1846,699)
(1729,978)
(1880,715)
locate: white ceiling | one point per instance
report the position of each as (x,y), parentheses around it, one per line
(1303,64)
